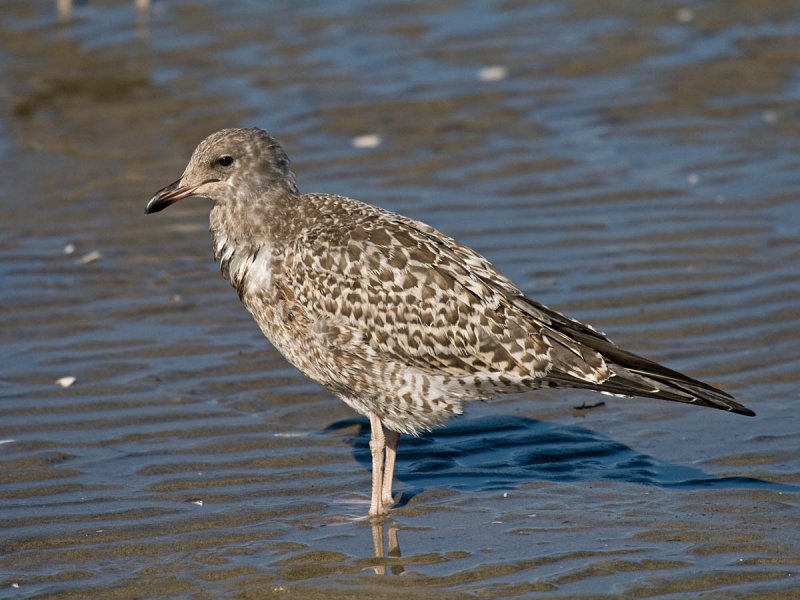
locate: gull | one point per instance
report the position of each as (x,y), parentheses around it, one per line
(400,321)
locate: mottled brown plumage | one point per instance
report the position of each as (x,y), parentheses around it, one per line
(398,320)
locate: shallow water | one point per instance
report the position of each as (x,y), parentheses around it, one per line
(637,168)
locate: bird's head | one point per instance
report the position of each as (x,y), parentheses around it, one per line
(231,165)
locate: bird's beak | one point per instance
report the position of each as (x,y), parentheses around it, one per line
(172,193)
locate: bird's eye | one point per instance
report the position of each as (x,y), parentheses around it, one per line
(225,161)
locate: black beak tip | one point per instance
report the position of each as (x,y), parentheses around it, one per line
(153,206)
(163,198)
(171,194)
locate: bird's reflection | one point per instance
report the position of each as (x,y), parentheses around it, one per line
(501,452)
(386,546)
(65,8)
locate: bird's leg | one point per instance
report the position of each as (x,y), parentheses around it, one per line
(392,438)
(377,444)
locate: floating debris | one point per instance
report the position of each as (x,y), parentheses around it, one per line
(65,382)
(693,179)
(770,117)
(684,15)
(493,73)
(6,442)
(69,249)
(91,257)
(369,140)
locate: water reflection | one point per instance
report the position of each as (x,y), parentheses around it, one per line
(386,547)
(65,9)
(66,14)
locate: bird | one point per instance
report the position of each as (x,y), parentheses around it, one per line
(398,320)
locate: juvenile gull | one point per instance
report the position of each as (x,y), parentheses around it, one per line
(395,318)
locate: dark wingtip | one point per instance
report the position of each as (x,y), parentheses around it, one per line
(743,410)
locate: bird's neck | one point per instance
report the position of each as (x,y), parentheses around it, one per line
(244,228)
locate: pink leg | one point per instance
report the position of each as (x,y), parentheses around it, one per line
(392,439)
(377,444)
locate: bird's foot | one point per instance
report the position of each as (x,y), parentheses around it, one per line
(379,513)
(389,502)
(383,508)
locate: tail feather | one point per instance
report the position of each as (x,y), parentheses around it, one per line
(644,377)
(628,383)
(634,375)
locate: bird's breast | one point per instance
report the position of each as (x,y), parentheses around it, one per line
(249,268)
(257,273)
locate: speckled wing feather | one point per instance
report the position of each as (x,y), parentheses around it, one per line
(622,373)
(414,296)
(417,297)
(630,374)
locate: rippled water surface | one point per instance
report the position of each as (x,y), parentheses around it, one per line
(632,164)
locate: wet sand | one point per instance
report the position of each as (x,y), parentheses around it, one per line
(635,167)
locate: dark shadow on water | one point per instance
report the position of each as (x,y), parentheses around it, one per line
(501,452)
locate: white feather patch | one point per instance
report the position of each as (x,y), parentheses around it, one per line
(259,273)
